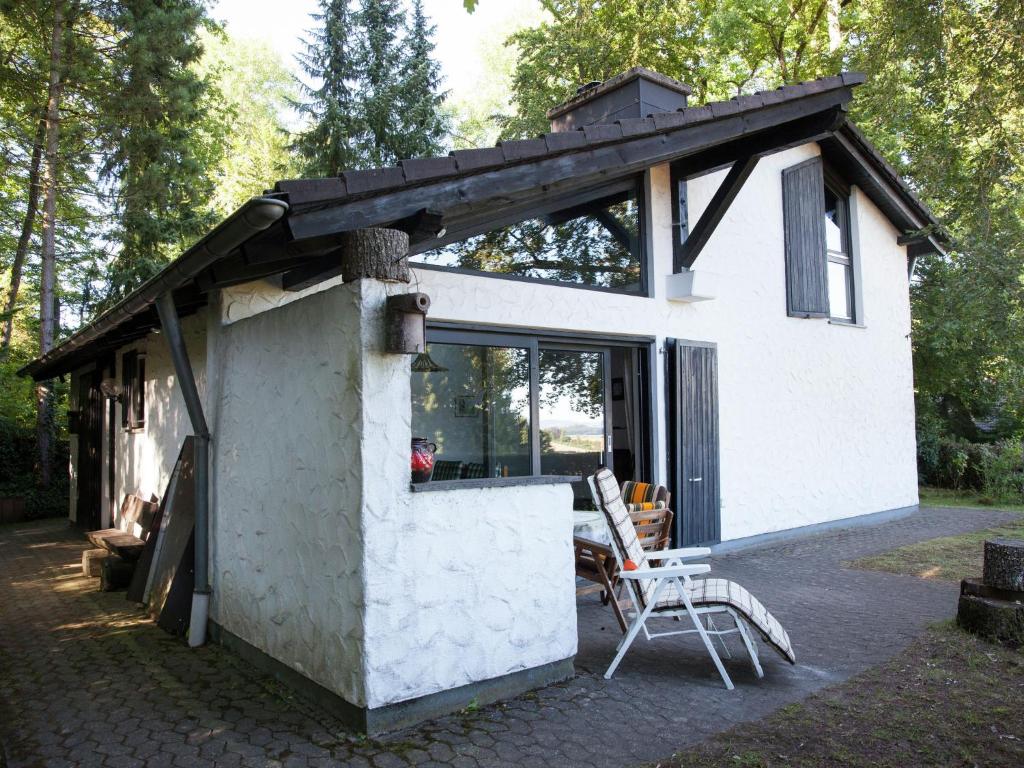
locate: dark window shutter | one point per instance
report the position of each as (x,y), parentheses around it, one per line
(127,371)
(803,203)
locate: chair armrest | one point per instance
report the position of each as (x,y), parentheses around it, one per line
(683,553)
(593,546)
(666,572)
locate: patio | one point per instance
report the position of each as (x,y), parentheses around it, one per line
(85,680)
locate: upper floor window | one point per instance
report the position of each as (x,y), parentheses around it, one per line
(837,248)
(819,249)
(595,242)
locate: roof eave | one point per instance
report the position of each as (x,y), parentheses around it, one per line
(254,216)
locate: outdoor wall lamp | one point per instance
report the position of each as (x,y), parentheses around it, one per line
(111,390)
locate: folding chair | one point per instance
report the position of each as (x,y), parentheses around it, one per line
(668,591)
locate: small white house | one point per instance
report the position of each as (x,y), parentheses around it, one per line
(714,298)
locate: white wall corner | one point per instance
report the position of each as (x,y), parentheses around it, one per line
(691,285)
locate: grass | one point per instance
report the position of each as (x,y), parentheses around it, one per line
(949,699)
(949,558)
(944,497)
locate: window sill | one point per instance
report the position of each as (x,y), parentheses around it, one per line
(492,482)
(847,324)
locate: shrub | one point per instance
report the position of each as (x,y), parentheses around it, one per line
(18,471)
(1004,471)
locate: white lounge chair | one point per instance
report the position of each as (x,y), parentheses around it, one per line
(668,591)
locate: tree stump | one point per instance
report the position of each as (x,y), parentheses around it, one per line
(376,252)
(999,620)
(1004,564)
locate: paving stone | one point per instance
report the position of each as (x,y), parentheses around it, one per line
(168,705)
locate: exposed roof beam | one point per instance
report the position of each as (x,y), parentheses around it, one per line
(557,174)
(713,214)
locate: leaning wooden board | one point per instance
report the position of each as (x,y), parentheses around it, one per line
(171,565)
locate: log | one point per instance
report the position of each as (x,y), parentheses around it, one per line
(379,253)
(1004,564)
(998,620)
(115,574)
(92,561)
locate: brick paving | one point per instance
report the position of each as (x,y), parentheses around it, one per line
(86,680)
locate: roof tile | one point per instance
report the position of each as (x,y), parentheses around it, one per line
(520,149)
(636,126)
(602,132)
(724,108)
(663,120)
(562,140)
(373,179)
(700,114)
(472,159)
(307,190)
(421,168)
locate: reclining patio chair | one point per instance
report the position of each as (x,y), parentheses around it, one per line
(667,591)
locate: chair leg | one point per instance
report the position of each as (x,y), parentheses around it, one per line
(699,625)
(634,629)
(721,640)
(748,641)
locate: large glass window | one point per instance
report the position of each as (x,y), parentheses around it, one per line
(595,243)
(477,411)
(507,405)
(840,266)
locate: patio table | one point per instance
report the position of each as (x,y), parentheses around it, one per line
(591,526)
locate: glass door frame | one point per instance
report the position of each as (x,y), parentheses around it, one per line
(606,387)
(648,460)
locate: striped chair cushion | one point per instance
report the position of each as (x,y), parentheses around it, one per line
(643,496)
(702,592)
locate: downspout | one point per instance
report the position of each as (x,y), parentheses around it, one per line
(171,325)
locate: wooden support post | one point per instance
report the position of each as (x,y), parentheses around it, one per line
(726,193)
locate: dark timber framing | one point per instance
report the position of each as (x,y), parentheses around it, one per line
(698,237)
(298,226)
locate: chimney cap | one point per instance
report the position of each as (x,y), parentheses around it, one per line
(595,89)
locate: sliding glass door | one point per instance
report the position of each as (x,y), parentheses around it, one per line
(505,405)
(575,438)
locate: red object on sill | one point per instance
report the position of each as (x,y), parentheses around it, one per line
(422,459)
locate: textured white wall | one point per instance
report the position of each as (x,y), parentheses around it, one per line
(324,558)
(287,530)
(817,419)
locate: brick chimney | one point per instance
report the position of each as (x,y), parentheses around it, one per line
(637,92)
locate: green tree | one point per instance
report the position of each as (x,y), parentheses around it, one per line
(330,144)
(160,150)
(379,61)
(418,104)
(254,90)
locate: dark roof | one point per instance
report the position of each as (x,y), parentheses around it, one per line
(471,190)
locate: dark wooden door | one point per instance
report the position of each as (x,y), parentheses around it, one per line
(693,441)
(90,452)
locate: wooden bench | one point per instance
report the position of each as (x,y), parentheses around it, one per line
(128,539)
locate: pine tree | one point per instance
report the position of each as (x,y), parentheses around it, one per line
(380,68)
(330,145)
(156,164)
(418,104)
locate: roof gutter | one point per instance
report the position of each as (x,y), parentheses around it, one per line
(254,216)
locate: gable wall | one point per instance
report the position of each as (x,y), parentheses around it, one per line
(817,419)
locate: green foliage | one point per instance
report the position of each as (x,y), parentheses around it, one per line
(379,99)
(253,89)
(328,146)
(1004,472)
(160,149)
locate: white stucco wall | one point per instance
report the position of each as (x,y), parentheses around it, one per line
(325,559)
(817,419)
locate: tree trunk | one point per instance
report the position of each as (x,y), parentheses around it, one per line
(24,240)
(835,31)
(48,271)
